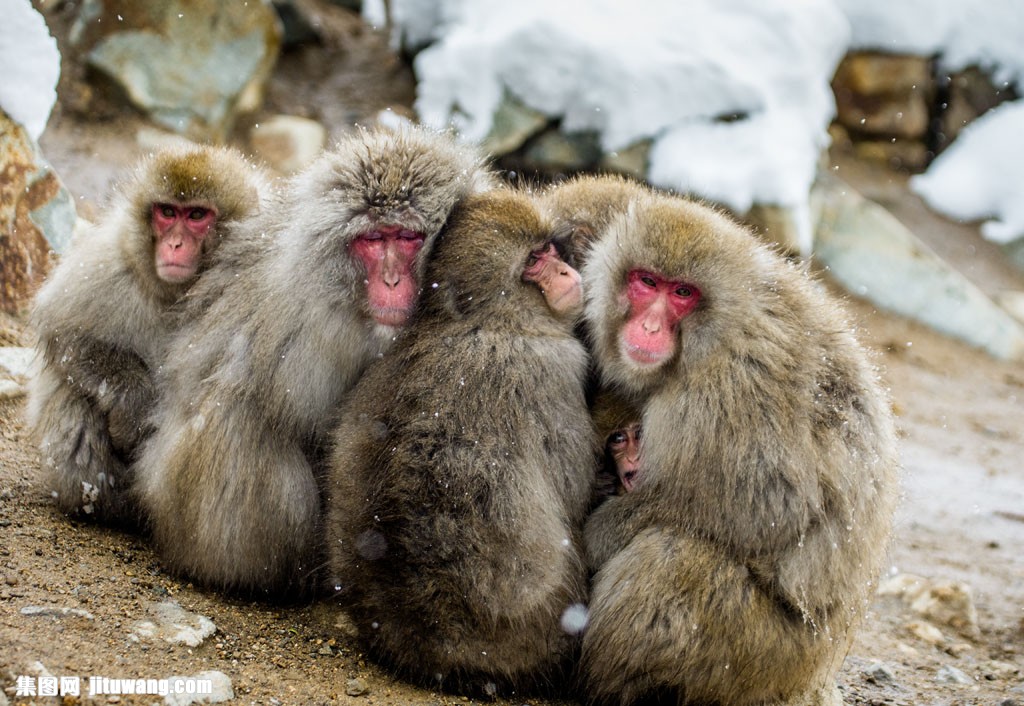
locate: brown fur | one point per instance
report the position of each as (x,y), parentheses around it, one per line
(228,479)
(611,413)
(463,468)
(104,318)
(737,571)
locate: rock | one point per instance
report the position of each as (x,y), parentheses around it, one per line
(192,65)
(994,670)
(884,94)
(926,631)
(777,225)
(554,151)
(968,94)
(874,256)
(949,604)
(37,215)
(879,673)
(356,687)
(1013,303)
(56,612)
(151,139)
(952,675)
(16,360)
(221,690)
(288,143)
(175,625)
(631,161)
(903,585)
(3,699)
(513,124)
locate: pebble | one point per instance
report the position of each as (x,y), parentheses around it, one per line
(356,687)
(879,673)
(56,611)
(926,631)
(952,675)
(175,625)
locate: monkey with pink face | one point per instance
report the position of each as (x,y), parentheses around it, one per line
(106,314)
(738,568)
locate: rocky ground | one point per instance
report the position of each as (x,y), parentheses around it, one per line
(946,628)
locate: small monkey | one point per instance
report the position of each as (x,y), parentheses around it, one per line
(619,432)
(107,312)
(464,463)
(229,479)
(738,568)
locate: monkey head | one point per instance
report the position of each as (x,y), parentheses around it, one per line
(499,255)
(619,430)
(668,281)
(380,197)
(180,197)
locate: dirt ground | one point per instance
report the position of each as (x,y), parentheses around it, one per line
(960,414)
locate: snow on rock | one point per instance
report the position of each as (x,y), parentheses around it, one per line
(31,67)
(221,690)
(175,625)
(981,175)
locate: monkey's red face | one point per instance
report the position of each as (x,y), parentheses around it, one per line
(624,446)
(557,280)
(180,230)
(656,306)
(389,254)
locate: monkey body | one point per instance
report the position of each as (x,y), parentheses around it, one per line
(462,470)
(738,568)
(106,315)
(230,478)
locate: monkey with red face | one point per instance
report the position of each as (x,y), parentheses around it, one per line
(464,461)
(229,479)
(740,564)
(108,310)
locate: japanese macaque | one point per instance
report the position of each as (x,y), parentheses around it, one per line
(619,431)
(586,204)
(738,568)
(464,464)
(108,311)
(228,479)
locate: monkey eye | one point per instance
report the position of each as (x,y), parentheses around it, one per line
(409,235)
(649,281)
(197,214)
(684,292)
(167,211)
(617,438)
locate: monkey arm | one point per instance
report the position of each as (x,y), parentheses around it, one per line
(116,380)
(613,525)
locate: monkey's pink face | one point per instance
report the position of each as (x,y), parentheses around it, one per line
(389,255)
(180,230)
(557,280)
(656,306)
(624,446)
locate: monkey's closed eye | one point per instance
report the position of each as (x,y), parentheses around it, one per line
(649,281)
(197,214)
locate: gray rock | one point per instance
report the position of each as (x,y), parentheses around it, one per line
(356,687)
(513,124)
(949,604)
(631,161)
(288,143)
(777,225)
(221,691)
(879,673)
(555,151)
(56,612)
(192,65)
(173,624)
(952,675)
(874,256)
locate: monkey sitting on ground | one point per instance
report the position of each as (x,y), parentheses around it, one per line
(619,432)
(738,569)
(107,312)
(464,464)
(229,476)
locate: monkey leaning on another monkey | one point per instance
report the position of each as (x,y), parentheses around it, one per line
(229,478)
(739,567)
(107,312)
(464,464)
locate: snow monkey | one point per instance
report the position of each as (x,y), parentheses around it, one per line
(738,568)
(229,476)
(464,464)
(619,432)
(107,312)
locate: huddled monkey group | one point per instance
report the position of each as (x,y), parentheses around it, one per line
(588,434)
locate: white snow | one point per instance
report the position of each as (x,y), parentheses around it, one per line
(30,66)
(669,71)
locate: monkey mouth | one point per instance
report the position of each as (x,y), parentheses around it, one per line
(629,480)
(174,273)
(392,316)
(644,357)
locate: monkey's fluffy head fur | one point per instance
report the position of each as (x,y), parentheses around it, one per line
(746,289)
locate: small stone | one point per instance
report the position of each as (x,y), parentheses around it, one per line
(56,612)
(356,687)
(326,651)
(994,670)
(879,673)
(11,580)
(175,625)
(952,675)
(926,631)
(949,604)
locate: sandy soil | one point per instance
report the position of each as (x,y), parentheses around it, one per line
(960,413)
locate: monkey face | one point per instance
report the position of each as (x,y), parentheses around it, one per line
(180,229)
(656,305)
